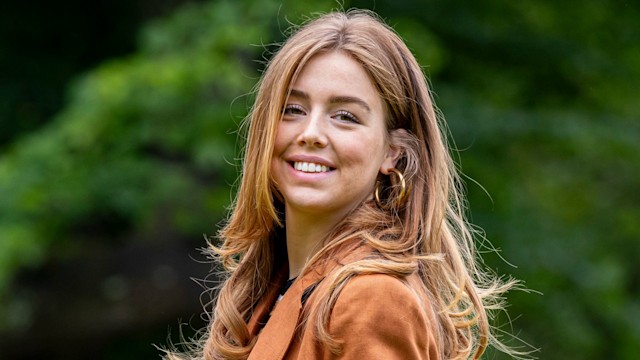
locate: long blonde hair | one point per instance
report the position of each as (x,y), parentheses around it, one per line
(427,234)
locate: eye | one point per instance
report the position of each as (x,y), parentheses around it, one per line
(293,109)
(346,116)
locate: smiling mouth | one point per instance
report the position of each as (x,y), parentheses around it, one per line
(310,167)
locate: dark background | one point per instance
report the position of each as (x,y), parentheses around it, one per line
(118,152)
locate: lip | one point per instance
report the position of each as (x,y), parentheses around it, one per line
(312,159)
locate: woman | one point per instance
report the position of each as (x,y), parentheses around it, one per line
(348,237)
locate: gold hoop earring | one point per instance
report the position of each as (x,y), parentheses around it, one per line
(403,190)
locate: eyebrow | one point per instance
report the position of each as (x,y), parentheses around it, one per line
(333,99)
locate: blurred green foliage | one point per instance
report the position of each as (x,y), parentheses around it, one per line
(44,43)
(541,98)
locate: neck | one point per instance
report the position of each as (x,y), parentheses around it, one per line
(305,232)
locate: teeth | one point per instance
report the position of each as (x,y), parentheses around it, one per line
(310,167)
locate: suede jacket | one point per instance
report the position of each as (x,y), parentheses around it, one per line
(375,317)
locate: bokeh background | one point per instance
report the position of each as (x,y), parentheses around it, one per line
(118,151)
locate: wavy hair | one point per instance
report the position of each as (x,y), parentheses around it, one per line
(428,234)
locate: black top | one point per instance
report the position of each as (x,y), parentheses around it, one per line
(286,286)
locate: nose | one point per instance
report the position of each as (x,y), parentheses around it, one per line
(313,132)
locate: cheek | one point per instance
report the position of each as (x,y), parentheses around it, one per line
(279,143)
(278,149)
(367,152)
(281,140)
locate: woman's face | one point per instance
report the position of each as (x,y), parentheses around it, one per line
(332,141)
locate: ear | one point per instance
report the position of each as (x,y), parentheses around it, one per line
(394,152)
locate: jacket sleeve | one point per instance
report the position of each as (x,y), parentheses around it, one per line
(380,317)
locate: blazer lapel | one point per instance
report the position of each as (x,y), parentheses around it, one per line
(276,336)
(274,339)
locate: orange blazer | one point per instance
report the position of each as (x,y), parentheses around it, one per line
(376,316)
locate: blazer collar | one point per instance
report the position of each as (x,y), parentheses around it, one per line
(276,336)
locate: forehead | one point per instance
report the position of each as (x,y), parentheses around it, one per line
(336,65)
(338,74)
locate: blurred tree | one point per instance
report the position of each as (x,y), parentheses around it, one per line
(540,97)
(142,157)
(46,43)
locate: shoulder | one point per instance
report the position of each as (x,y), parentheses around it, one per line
(380,285)
(379,297)
(384,317)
